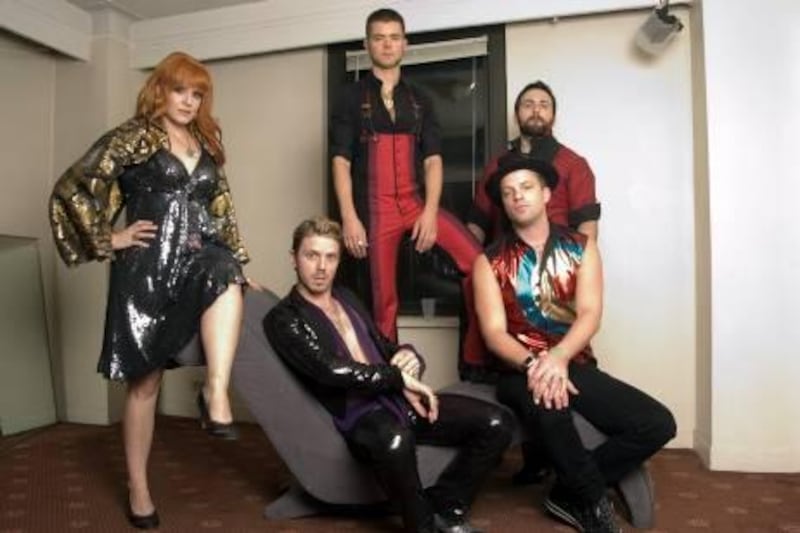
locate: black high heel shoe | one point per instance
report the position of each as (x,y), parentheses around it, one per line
(215,429)
(150,521)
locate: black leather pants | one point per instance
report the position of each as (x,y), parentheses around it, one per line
(480,430)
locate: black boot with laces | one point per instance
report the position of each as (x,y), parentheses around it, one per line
(595,517)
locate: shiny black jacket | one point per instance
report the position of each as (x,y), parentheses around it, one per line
(306,346)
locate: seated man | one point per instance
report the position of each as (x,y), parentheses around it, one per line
(372,389)
(538,292)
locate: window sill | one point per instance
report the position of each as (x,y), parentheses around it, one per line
(419,322)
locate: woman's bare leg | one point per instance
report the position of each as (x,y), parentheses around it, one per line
(137,428)
(220,326)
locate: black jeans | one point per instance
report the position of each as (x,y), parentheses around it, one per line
(636,424)
(480,430)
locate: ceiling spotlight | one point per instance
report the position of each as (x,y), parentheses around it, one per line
(658,30)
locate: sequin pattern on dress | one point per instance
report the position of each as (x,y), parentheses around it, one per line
(158,293)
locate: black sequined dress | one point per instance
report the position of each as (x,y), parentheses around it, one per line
(158,294)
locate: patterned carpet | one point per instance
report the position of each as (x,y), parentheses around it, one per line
(71,477)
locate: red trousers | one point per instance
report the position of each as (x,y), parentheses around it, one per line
(394,207)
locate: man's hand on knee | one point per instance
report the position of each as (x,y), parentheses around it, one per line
(421,397)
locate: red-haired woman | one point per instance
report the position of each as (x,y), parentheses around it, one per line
(176,265)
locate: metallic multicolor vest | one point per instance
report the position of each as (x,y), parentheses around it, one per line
(539,296)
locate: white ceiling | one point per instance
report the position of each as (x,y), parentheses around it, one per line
(149,9)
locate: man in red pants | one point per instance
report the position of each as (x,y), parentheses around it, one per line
(384,137)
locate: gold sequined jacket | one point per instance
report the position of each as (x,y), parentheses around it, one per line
(86,199)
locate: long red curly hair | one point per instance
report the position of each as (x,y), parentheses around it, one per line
(182,70)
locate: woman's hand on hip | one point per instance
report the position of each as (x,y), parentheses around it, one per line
(140,233)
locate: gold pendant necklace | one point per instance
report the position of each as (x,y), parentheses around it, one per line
(190,151)
(388,100)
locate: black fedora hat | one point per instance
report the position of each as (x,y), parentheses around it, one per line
(512,162)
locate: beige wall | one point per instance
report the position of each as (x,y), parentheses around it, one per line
(437,339)
(26,386)
(27,110)
(273,116)
(90,98)
(632,119)
(52,109)
(702,232)
(752,79)
(26,135)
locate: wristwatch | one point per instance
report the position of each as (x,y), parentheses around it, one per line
(528,362)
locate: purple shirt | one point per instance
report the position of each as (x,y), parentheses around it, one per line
(359,403)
